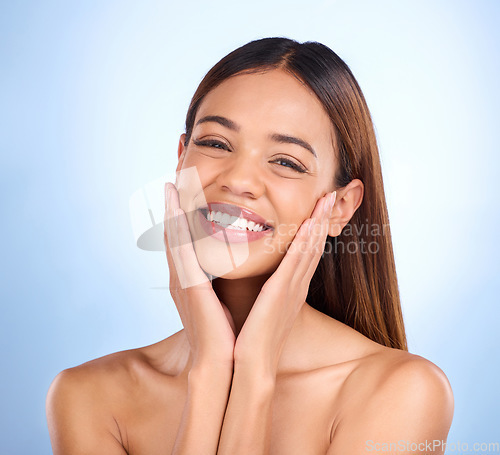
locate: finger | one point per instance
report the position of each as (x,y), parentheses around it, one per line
(332,197)
(322,230)
(308,245)
(319,207)
(293,256)
(305,237)
(188,268)
(324,205)
(319,233)
(304,231)
(168,222)
(179,276)
(166,219)
(172,241)
(310,263)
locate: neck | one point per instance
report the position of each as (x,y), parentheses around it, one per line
(239,296)
(304,346)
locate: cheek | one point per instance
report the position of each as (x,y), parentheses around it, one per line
(207,168)
(190,160)
(294,210)
(289,225)
(192,178)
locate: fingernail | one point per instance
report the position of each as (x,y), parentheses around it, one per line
(326,205)
(333,197)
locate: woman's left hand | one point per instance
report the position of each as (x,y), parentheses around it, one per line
(261,339)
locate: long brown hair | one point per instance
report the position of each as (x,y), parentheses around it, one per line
(355,281)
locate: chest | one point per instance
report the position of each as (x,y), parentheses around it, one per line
(304,408)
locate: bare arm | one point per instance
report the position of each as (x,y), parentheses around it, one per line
(249,408)
(78,425)
(199,431)
(210,335)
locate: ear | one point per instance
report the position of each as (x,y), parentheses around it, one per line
(181,151)
(347,202)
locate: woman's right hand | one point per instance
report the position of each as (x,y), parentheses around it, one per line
(207,322)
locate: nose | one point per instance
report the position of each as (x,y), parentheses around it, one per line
(242,176)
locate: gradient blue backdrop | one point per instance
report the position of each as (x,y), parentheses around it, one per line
(93,97)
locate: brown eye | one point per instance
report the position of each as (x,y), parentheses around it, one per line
(291,165)
(211,143)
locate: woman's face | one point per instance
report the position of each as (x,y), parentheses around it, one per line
(262,147)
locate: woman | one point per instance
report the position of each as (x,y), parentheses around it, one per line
(298,345)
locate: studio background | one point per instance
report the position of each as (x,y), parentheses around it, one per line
(93,100)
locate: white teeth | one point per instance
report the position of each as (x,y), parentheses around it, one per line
(233,222)
(239,223)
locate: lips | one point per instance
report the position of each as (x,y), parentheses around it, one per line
(235,210)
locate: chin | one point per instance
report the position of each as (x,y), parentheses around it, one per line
(232,262)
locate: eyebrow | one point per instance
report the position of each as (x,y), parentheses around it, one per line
(285,139)
(280,138)
(220,120)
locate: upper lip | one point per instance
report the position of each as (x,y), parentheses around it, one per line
(236,210)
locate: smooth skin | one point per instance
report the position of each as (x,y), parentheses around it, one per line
(255,370)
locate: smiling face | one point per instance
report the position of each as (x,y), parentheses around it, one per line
(263,144)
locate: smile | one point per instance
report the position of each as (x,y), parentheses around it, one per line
(232,223)
(231,216)
(228,221)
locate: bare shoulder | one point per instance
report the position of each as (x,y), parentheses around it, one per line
(380,375)
(399,376)
(410,371)
(383,374)
(394,395)
(86,403)
(102,377)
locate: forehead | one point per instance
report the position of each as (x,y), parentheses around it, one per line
(269,102)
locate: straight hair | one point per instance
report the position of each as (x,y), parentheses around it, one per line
(355,281)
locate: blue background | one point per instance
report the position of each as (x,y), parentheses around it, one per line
(93,97)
